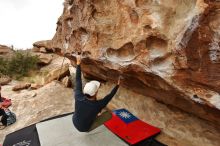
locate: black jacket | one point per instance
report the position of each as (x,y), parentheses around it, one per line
(87,110)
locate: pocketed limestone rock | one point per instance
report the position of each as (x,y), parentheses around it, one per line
(168,50)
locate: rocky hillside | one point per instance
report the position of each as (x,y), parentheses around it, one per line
(5,51)
(168,50)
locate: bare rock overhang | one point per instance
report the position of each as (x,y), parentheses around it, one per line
(147,43)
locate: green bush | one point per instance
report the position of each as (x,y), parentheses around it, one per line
(18,65)
(3,66)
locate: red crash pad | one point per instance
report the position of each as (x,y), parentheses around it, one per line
(130,128)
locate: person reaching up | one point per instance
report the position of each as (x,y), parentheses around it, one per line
(87,107)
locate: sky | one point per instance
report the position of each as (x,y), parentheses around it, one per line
(23,22)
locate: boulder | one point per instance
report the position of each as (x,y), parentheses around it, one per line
(35,86)
(57,74)
(44,46)
(43,50)
(5,49)
(21,86)
(72,70)
(168,50)
(4,80)
(66,81)
(45,59)
(35,49)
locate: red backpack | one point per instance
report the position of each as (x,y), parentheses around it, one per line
(6,102)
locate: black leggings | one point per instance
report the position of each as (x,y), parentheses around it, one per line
(4,117)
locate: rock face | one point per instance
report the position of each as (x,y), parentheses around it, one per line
(5,50)
(4,80)
(43,47)
(35,86)
(66,81)
(57,74)
(44,59)
(57,68)
(21,86)
(203,51)
(168,50)
(178,128)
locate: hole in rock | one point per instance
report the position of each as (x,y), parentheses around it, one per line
(82,30)
(70,2)
(86,53)
(125,53)
(79,38)
(195,96)
(134,16)
(154,42)
(157,47)
(74,9)
(69,19)
(140,3)
(96,15)
(93,14)
(147,27)
(141,47)
(80,34)
(69,22)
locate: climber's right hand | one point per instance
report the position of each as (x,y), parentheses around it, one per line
(119,80)
(78,59)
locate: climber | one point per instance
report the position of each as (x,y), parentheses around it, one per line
(86,106)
